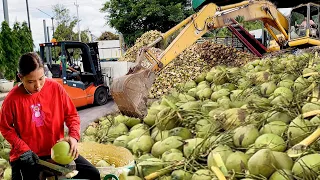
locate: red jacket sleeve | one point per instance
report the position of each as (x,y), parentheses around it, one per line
(71,115)
(8,131)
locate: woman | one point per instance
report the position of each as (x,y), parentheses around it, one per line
(32,121)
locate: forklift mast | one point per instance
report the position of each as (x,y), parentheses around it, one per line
(94,52)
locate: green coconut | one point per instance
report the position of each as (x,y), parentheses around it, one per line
(278,116)
(91,131)
(140,126)
(60,153)
(192,146)
(207,107)
(275,127)
(284,92)
(310,107)
(181,175)
(205,127)
(167,119)
(298,130)
(271,141)
(224,102)
(307,166)
(224,152)
(172,142)
(128,121)
(160,135)
(189,85)
(116,131)
(234,118)
(245,136)
(201,77)
(205,93)
(288,83)
(282,174)
(218,94)
(192,105)
(186,98)
(236,95)
(210,76)
(315,121)
(262,163)
(268,88)
(192,92)
(251,151)
(203,174)
(137,133)
(143,145)
(7,174)
(283,161)
(184,133)
(149,166)
(244,83)
(300,83)
(172,155)
(121,141)
(237,161)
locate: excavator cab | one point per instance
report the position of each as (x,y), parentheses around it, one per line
(304,25)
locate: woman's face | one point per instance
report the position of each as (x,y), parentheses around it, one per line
(34,81)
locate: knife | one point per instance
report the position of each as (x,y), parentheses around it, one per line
(64,171)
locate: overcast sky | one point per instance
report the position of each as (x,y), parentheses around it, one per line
(89,14)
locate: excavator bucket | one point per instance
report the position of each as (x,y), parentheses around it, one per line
(130,92)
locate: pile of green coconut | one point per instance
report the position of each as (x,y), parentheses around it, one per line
(5,168)
(232,122)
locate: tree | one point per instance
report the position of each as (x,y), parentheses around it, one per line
(66,24)
(108,36)
(10,47)
(24,36)
(133,18)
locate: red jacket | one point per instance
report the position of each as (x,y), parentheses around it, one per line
(35,122)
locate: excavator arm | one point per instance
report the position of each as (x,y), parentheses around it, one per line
(213,17)
(131,91)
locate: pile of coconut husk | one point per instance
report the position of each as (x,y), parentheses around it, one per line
(219,54)
(144,40)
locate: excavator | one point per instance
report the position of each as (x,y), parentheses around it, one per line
(299,30)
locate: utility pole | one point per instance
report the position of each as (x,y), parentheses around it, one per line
(79,33)
(27,4)
(5,10)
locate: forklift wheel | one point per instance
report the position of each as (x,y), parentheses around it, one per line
(101,96)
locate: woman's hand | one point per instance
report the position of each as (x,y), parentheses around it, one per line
(73,146)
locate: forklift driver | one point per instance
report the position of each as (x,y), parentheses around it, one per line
(73,73)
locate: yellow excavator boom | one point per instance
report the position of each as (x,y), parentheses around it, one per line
(130,92)
(214,17)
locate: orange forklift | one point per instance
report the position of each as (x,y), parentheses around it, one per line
(86,86)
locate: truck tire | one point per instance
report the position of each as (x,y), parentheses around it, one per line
(101,96)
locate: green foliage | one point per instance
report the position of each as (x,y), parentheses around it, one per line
(133,18)
(66,24)
(24,36)
(108,36)
(11,49)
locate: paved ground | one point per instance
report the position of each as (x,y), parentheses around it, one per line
(90,114)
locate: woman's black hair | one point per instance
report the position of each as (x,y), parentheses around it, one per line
(29,62)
